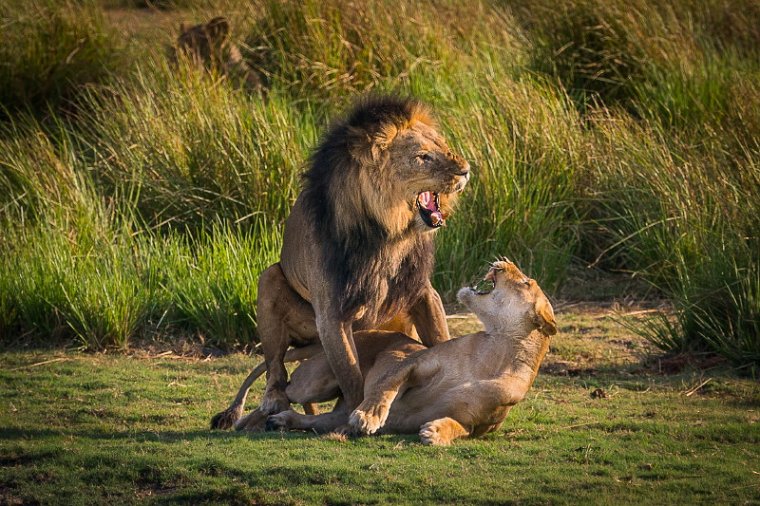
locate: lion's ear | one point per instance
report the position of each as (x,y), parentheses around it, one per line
(360,145)
(367,147)
(545,316)
(382,139)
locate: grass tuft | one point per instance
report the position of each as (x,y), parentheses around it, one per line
(51,49)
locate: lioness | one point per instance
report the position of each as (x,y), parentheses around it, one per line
(462,387)
(209,46)
(358,246)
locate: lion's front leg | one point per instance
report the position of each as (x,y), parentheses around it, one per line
(429,318)
(373,412)
(340,350)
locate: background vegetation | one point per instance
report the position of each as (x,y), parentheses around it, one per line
(608,138)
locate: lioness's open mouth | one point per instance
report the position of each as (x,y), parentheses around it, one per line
(430,210)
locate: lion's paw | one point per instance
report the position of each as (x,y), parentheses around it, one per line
(368,419)
(227,418)
(274,401)
(432,434)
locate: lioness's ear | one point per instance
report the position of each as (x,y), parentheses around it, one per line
(545,316)
(218,28)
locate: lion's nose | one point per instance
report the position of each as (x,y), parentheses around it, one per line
(465,169)
(463,177)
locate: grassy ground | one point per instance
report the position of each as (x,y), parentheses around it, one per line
(602,424)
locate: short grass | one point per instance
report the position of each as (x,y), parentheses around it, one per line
(103,428)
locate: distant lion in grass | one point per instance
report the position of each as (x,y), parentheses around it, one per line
(358,247)
(209,46)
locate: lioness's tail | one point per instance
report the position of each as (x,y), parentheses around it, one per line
(227,418)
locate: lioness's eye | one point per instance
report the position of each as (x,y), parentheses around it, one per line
(425,157)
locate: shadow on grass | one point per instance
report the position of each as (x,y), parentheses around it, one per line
(10,434)
(166,476)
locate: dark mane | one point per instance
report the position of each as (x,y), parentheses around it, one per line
(358,258)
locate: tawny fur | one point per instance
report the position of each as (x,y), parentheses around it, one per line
(463,387)
(357,253)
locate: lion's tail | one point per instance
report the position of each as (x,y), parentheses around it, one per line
(228,417)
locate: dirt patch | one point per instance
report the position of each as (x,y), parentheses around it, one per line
(589,338)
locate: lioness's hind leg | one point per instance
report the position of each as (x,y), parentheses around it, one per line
(321,424)
(442,432)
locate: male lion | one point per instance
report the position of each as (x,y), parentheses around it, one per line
(358,246)
(463,387)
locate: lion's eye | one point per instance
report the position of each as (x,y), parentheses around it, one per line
(425,157)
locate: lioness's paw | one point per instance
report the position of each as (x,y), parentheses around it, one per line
(280,421)
(368,419)
(431,434)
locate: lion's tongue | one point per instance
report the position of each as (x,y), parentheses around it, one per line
(427,200)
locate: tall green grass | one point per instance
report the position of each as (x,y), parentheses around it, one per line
(622,136)
(187,148)
(327,49)
(50,50)
(88,251)
(107,292)
(688,222)
(525,139)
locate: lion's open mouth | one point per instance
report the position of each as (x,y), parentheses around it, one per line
(430,210)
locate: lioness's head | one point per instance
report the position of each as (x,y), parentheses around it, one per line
(205,43)
(507,298)
(397,170)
